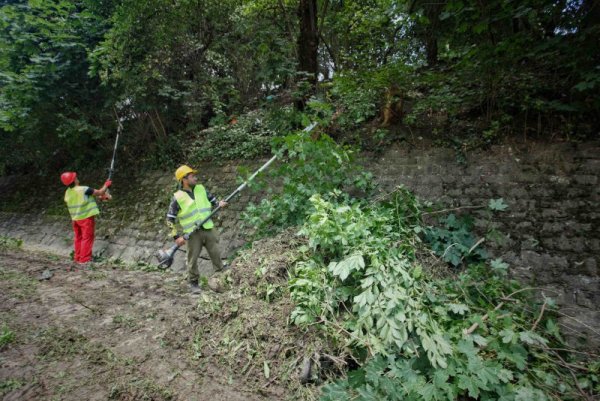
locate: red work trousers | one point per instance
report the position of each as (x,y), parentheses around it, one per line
(84,239)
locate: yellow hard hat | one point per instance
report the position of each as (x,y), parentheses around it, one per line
(182,171)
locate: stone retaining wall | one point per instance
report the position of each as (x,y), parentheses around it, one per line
(551,228)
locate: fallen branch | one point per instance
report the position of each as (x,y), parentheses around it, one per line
(539,317)
(82,304)
(500,305)
(453,209)
(483,319)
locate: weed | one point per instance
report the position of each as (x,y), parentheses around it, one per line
(20,284)
(197,344)
(98,275)
(124,321)
(8,385)
(10,243)
(7,336)
(57,343)
(139,389)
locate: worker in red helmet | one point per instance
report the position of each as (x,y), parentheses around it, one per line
(82,207)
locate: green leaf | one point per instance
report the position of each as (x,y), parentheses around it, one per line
(508,336)
(529,393)
(499,266)
(479,340)
(505,375)
(468,383)
(459,309)
(428,392)
(344,268)
(497,204)
(531,338)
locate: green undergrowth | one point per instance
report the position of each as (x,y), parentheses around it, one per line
(366,277)
(21,285)
(474,334)
(10,243)
(312,163)
(7,336)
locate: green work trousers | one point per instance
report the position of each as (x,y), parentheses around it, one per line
(199,239)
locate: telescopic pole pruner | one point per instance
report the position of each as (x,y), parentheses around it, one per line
(165,257)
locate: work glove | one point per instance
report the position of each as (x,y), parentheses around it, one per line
(108,183)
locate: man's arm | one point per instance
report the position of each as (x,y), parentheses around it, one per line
(101,191)
(172,219)
(213,200)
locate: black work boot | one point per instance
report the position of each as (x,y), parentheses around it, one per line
(195,289)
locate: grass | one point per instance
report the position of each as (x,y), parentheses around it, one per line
(20,285)
(10,243)
(124,321)
(139,389)
(8,385)
(7,336)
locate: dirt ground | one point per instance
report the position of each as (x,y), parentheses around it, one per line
(118,334)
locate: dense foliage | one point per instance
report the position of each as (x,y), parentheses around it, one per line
(309,166)
(369,276)
(465,71)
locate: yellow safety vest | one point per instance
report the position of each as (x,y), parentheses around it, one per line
(81,206)
(192,211)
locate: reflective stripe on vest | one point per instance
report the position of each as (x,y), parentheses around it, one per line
(193,211)
(81,206)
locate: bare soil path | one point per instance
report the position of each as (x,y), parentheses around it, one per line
(106,334)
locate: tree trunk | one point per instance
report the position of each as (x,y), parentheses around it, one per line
(432,12)
(591,10)
(308,44)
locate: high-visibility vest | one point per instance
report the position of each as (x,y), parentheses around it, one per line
(192,211)
(81,206)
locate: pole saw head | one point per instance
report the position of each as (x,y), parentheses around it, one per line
(166,257)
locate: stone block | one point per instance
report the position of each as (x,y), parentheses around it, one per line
(114,251)
(479,192)
(518,193)
(588,152)
(586,179)
(553,214)
(552,228)
(587,267)
(449,178)
(559,180)
(526,177)
(454,193)
(590,167)
(537,191)
(524,226)
(128,254)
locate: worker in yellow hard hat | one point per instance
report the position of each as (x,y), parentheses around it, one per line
(190,205)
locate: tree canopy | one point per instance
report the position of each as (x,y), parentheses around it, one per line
(171,69)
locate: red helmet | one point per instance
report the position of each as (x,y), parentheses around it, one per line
(68,177)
